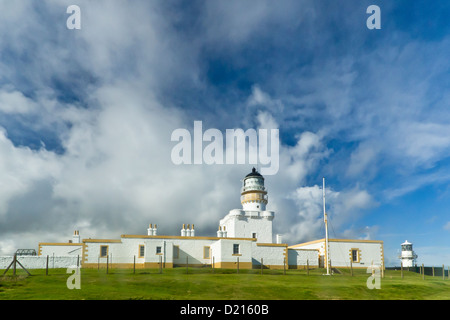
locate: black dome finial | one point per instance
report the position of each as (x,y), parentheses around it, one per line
(254,173)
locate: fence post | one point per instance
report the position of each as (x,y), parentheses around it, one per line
(237,264)
(307,267)
(14,266)
(433,270)
(262,265)
(160,264)
(134,264)
(423,272)
(46,267)
(107,264)
(213,264)
(443,273)
(284,266)
(187,261)
(351,267)
(78,260)
(401,268)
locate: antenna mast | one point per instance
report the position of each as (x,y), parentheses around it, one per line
(326,229)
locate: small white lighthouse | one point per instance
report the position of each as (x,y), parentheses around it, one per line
(408,256)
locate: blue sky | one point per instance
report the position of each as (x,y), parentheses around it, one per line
(86,117)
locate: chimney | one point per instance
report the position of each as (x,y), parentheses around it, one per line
(279,238)
(150,230)
(224,233)
(192,231)
(183,231)
(188,230)
(219,232)
(76,237)
(155,229)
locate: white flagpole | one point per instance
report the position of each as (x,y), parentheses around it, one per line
(326,229)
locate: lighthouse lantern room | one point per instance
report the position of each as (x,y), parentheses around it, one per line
(408,256)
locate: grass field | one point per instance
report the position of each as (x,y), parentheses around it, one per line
(204,284)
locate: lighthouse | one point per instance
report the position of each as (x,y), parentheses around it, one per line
(253,220)
(253,192)
(408,256)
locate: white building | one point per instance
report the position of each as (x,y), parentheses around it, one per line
(408,256)
(346,252)
(244,239)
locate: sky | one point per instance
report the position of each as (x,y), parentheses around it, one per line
(86,117)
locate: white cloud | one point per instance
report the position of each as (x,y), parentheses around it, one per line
(343,208)
(15,102)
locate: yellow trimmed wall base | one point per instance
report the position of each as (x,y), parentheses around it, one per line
(149,265)
(311,266)
(233,265)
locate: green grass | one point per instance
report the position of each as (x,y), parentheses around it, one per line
(203,284)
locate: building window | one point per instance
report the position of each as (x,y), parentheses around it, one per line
(355,255)
(158,250)
(206,251)
(176,252)
(254,235)
(141,251)
(236,248)
(103,251)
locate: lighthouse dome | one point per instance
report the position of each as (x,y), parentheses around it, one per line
(254,173)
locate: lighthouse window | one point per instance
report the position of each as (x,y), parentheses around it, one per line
(158,250)
(407,247)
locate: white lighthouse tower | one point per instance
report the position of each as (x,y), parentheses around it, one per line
(253,220)
(408,256)
(253,192)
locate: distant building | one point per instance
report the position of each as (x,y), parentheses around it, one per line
(244,237)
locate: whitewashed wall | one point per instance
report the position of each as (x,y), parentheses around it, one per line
(60,249)
(39,262)
(225,247)
(339,253)
(242,224)
(193,249)
(271,255)
(302,257)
